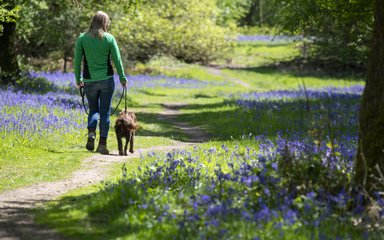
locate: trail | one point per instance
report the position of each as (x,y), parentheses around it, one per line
(195,134)
(16,220)
(217,71)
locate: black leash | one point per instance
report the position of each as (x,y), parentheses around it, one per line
(124,93)
(82,99)
(125,97)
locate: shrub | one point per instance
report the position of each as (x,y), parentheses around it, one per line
(186,30)
(30,84)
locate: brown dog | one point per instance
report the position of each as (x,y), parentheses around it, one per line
(125,127)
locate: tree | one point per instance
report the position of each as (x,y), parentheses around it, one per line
(260,12)
(45,27)
(340,30)
(369,167)
(185,30)
(8,60)
(254,14)
(248,12)
(38,27)
(231,11)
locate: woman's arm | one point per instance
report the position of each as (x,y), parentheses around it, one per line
(116,58)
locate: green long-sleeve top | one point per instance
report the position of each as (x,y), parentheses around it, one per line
(97,55)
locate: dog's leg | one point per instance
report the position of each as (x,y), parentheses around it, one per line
(127,139)
(131,140)
(119,142)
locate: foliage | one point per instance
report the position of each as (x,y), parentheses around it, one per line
(60,24)
(231,11)
(46,27)
(31,84)
(339,30)
(8,12)
(248,13)
(183,29)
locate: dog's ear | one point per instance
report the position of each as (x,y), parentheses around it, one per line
(119,122)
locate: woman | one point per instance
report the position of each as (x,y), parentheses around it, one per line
(96,47)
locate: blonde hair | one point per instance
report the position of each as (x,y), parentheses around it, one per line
(99,24)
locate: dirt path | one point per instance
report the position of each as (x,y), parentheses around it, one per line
(217,71)
(195,134)
(16,222)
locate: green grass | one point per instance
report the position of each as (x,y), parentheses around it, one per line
(266,79)
(258,54)
(191,72)
(28,167)
(25,162)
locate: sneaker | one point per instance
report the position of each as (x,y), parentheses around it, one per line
(102,149)
(90,144)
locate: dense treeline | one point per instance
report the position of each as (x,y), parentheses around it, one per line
(335,31)
(193,31)
(340,30)
(46,30)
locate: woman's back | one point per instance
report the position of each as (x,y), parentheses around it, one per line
(97,55)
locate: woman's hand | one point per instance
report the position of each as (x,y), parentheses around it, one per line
(124,84)
(79,85)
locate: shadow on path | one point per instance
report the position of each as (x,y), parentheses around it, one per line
(195,134)
(16,222)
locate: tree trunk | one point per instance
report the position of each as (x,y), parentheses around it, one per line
(8,61)
(65,58)
(253,14)
(370,154)
(261,12)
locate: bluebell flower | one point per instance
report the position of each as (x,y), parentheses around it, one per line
(205,199)
(290,217)
(264,214)
(311,195)
(213,223)
(143,206)
(274,166)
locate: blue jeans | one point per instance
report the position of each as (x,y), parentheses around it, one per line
(99,95)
